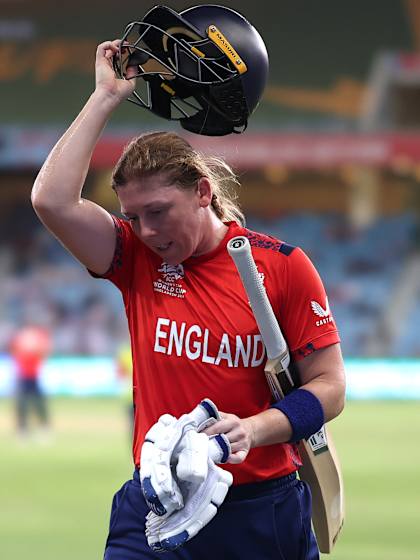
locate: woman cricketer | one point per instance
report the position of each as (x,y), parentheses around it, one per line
(192,331)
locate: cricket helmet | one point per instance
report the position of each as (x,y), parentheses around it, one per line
(206,66)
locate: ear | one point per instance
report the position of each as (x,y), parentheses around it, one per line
(204,192)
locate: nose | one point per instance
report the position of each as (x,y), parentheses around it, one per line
(147,231)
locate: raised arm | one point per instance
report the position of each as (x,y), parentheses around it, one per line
(83,227)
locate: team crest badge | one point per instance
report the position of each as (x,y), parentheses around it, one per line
(170,281)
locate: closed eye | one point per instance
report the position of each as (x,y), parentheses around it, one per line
(155,212)
(130,218)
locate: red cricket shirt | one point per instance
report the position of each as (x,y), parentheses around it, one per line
(194,335)
(29,348)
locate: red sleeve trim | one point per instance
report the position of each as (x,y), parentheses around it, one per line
(117,258)
(322,341)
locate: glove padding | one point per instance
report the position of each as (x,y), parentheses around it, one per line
(173,450)
(201,501)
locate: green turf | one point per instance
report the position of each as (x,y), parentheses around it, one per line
(55,496)
(379,447)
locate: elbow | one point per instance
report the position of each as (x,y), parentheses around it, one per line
(43,204)
(47,200)
(40,207)
(37,199)
(36,204)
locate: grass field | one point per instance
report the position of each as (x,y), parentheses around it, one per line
(55,495)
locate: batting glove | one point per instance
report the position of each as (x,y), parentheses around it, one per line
(201,501)
(173,449)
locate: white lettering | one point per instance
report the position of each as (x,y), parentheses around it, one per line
(240,350)
(160,334)
(177,338)
(324,321)
(196,345)
(257,361)
(206,358)
(224,351)
(193,341)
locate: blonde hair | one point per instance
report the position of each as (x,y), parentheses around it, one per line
(169,154)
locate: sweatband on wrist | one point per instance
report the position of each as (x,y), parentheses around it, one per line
(304,412)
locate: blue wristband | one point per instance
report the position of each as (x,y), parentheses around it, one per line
(304,412)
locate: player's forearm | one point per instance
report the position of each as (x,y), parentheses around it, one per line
(330,393)
(61,179)
(272,426)
(268,428)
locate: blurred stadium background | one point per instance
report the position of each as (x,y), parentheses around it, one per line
(330,162)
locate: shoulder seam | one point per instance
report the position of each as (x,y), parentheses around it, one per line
(263,241)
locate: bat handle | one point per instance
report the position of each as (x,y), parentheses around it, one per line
(240,251)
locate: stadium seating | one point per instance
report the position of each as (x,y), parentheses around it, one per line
(360,270)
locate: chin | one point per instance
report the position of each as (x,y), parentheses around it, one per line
(173,257)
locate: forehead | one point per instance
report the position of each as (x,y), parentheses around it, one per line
(148,183)
(156,189)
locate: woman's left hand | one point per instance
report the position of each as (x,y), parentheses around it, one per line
(239,432)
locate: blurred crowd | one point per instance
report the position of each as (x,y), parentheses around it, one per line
(361,269)
(43,285)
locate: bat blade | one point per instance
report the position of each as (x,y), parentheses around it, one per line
(321,468)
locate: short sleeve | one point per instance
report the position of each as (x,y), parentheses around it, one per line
(305,315)
(121,268)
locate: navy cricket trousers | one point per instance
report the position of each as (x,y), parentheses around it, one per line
(263,521)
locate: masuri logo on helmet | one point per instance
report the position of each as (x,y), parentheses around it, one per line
(206,67)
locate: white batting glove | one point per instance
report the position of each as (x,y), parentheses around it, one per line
(201,501)
(172,449)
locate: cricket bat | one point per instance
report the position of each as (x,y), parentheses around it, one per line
(321,468)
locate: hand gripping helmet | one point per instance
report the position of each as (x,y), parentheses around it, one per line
(206,67)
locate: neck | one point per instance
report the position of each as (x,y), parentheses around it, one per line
(214,231)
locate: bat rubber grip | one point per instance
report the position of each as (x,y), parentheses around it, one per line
(239,249)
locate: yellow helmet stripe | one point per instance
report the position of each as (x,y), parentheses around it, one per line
(220,40)
(198,52)
(167,88)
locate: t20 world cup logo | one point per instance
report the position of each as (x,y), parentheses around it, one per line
(172,272)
